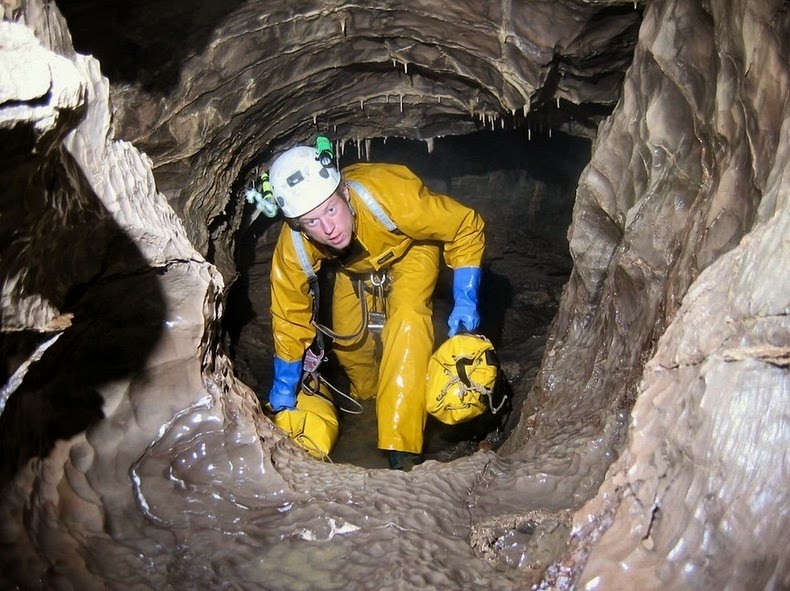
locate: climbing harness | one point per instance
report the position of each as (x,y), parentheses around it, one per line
(462,375)
(379,281)
(374,206)
(316,353)
(373,319)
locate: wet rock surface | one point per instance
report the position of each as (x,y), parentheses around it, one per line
(529,542)
(248,78)
(656,427)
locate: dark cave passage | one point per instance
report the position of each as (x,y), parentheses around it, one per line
(523,185)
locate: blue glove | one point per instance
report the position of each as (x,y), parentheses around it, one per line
(287,375)
(466,283)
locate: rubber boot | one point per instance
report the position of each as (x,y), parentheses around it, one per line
(403,460)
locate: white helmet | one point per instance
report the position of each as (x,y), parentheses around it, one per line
(300,182)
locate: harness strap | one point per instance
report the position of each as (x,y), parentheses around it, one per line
(373,205)
(301,254)
(304,261)
(312,280)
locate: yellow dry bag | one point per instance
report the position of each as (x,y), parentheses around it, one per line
(461,378)
(313,425)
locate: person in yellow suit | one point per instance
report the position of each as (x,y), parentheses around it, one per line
(370,217)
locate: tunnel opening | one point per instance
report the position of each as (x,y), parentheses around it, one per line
(523,184)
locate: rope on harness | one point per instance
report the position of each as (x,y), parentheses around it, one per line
(331,333)
(314,356)
(311,384)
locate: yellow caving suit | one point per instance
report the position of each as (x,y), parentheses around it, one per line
(425,222)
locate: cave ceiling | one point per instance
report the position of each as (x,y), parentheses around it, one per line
(241,80)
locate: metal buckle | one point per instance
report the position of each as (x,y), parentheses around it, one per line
(376,320)
(377,316)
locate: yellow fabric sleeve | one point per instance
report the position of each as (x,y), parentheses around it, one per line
(422,214)
(292,303)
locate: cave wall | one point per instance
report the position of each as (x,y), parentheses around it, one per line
(679,300)
(273,73)
(109,320)
(164,473)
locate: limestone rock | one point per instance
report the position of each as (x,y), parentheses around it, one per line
(132,456)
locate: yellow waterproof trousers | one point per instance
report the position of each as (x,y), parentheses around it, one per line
(398,380)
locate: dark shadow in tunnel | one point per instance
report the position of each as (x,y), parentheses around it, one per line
(553,160)
(68,251)
(239,308)
(496,296)
(144,41)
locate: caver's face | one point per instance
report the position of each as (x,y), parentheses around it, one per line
(331,223)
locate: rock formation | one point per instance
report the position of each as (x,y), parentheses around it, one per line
(653,453)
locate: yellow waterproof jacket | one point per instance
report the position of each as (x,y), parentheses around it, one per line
(418,213)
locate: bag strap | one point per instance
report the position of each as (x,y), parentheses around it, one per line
(461,363)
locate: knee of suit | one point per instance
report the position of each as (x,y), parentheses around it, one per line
(408,325)
(409,312)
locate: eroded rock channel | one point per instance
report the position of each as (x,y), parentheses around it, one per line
(650,448)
